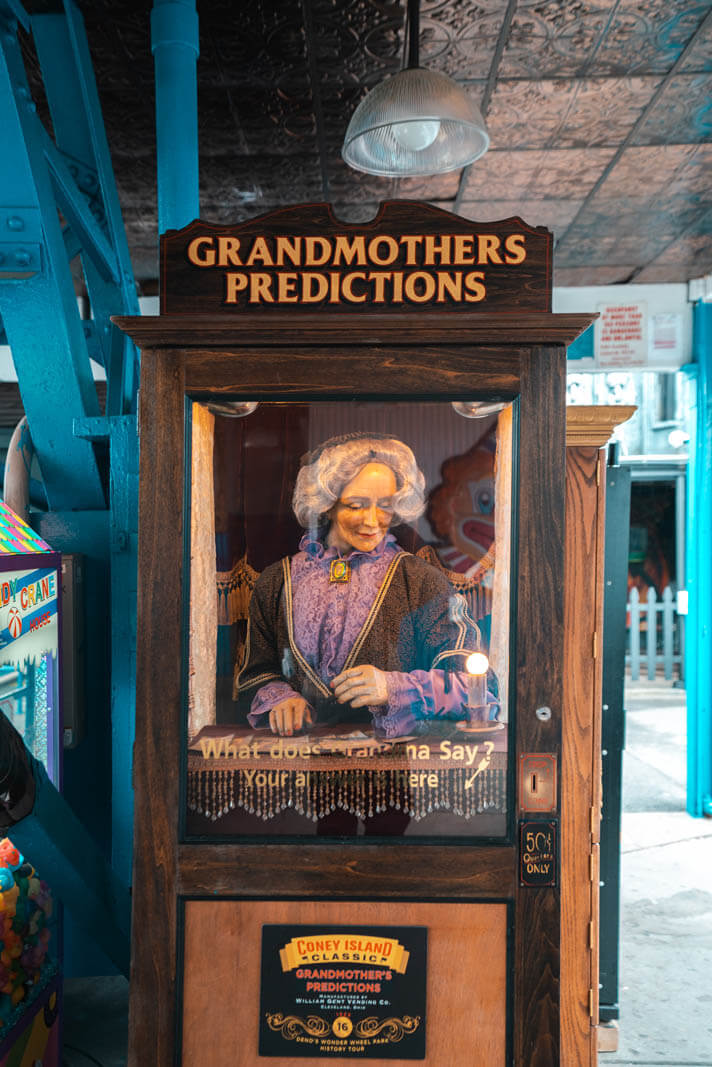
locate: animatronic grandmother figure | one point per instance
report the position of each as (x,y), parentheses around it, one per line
(352,627)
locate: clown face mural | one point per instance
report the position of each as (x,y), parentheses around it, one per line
(461,510)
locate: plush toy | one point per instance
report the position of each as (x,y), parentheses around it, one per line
(25,907)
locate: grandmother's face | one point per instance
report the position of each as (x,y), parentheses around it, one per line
(361,516)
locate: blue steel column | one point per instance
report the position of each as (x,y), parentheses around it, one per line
(174,43)
(37,299)
(699,580)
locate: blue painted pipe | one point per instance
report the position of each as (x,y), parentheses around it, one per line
(699,582)
(174,43)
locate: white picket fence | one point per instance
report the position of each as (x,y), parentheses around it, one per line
(653,632)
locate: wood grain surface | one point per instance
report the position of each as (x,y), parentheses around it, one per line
(186,287)
(539,643)
(157,755)
(316,328)
(466,979)
(347,870)
(386,873)
(585,515)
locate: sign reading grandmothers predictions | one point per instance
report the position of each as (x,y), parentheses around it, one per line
(343,991)
(409,256)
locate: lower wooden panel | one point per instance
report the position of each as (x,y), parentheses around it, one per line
(466,983)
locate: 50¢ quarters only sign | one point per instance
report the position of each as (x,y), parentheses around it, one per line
(343,991)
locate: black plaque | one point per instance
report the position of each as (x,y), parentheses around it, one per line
(538,858)
(343,991)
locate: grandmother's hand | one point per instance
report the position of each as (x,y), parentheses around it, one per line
(290,715)
(361,686)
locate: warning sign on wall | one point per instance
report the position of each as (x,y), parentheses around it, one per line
(622,335)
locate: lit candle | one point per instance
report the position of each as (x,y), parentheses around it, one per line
(476,666)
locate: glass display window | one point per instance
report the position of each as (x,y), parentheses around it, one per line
(350,594)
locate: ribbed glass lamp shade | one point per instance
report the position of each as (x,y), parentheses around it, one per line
(418,122)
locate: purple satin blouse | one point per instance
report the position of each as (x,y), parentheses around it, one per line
(328,617)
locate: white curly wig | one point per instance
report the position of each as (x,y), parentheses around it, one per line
(325,471)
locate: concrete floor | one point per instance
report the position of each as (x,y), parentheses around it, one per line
(666,910)
(666,893)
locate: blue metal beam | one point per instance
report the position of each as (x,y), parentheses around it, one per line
(174,42)
(79,131)
(699,572)
(37,299)
(123,547)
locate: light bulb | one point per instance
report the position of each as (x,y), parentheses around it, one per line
(417,135)
(234,409)
(477,663)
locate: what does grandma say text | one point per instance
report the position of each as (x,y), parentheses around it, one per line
(342,269)
(473,758)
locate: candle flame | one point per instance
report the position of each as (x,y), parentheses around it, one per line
(477,663)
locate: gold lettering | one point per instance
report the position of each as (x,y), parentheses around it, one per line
(487,248)
(450,283)
(228,248)
(437,247)
(474,280)
(234,284)
(334,291)
(463,249)
(260,251)
(286,288)
(207,259)
(398,287)
(314,258)
(411,242)
(347,287)
(348,249)
(291,247)
(428,290)
(261,288)
(379,279)
(373,253)
(314,288)
(514,244)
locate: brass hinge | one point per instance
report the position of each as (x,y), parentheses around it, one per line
(598,471)
(591,1002)
(595,644)
(591,935)
(595,819)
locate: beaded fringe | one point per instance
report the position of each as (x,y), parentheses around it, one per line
(365,793)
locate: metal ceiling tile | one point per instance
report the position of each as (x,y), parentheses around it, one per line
(556,38)
(556,215)
(459,38)
(528,113)
(695,250)
(513,171)
(604,110)
(590,275)
(568,174)
(660,165)
(699,58)
(694,177)
(435,187)
(681,114)
(658,273)
(647,36)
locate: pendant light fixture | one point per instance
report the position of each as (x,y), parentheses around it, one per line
(417,122)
